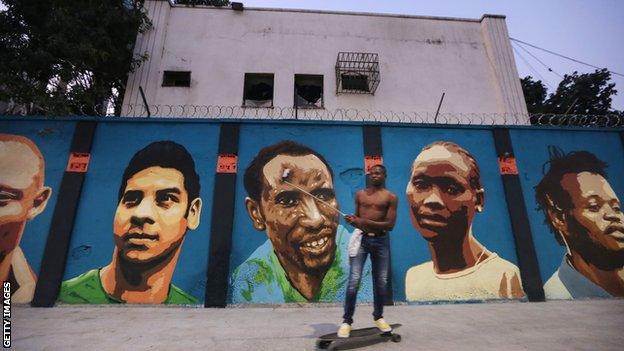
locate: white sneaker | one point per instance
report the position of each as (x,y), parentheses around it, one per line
(382,325)
(344,331)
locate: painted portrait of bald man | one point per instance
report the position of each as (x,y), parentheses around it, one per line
(23,196)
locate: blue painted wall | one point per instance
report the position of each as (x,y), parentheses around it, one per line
(116,142)
(531,150)
(113,147)
(491,227)
(340,145)
(53,140)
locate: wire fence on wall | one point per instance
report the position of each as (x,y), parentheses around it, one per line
(364,115)
(353,115)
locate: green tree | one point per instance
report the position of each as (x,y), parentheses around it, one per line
(62,57)
(534,93)
(588,94)
(580,94)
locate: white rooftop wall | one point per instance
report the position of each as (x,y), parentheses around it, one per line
(420,58)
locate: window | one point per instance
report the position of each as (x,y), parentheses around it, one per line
(357,72)
(355,81)
(308,91)
(258,91)
(176,79)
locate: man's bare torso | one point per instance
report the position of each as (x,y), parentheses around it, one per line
(373,204)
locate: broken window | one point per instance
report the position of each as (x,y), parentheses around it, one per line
(308,91)
(357,72)
(176,79)
(258,91)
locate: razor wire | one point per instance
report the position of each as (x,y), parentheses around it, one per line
(344,115)
(365,115)
(320,114)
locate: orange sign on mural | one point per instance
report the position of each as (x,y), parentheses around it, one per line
(78,162)
(370,161)
(507,165)
(227,163)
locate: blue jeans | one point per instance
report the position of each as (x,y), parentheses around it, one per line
(379,250)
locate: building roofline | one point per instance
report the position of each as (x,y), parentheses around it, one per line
(347,13)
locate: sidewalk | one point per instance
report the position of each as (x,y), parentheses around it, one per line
(557,325)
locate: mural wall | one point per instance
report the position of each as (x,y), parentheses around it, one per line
(287,246)
(453,240)
(142,228)
(572,184)
(33,156)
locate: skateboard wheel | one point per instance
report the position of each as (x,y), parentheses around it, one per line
(396,338)
(323,344)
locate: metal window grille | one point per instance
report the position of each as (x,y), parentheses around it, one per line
(357,72)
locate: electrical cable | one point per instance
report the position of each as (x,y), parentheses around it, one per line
(538,60)
(565,57)
(531,67)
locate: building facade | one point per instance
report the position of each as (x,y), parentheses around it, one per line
(218,62)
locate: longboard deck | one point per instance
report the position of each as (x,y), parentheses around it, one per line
(358,338)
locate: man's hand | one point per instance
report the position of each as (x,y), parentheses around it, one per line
(353,220)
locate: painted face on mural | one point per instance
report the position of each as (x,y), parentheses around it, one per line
(441,200)
(153,215)
(595,227)
(301,229)
(22,194)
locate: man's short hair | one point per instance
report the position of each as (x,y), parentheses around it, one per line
(549,193)
(253,173)
(383,168)
(165,154)
(474,175)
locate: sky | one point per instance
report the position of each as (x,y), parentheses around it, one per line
(591,31)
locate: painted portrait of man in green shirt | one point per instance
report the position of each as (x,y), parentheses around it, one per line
(158,201)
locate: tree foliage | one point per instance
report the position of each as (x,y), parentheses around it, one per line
(534,93)
(63,57)
(580,94)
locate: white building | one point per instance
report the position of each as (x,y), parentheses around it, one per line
(218,62)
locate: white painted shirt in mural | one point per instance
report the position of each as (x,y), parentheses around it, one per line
(492,278)
(24,277)
(261,278)
(567,283)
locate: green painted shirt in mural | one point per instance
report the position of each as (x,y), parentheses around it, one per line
(87,289)
(261,278)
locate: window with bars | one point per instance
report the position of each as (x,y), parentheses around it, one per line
(357,72)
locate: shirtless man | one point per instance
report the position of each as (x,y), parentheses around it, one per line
(374,218)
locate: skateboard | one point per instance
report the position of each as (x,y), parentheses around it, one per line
(357,338)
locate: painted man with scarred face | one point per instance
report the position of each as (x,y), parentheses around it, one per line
(158,201)
(304,258)
(444,193)
(585,214)
(23,196)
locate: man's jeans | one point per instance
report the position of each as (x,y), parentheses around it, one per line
(379,250)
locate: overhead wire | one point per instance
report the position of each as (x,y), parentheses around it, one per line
(540,61)
(565,57)
(531,67)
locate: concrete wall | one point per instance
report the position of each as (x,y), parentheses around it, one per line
(175,253)
(470,60)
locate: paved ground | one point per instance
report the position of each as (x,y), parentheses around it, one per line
(574,325)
